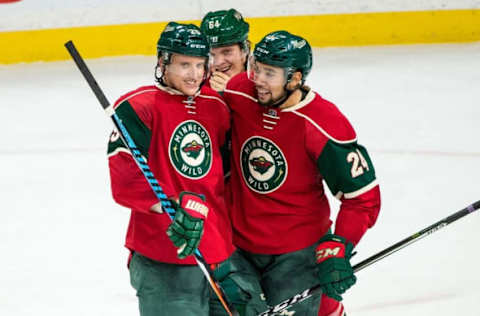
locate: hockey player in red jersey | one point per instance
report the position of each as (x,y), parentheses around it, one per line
(287,140)
(179,128)
(227,34)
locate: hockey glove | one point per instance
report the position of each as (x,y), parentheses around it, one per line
(186,230)
(334,269)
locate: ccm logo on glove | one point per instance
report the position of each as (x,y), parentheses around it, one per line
(330,250)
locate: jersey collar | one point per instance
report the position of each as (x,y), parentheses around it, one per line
(308,98)
(173,91)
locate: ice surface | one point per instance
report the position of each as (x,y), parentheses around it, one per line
(416,109)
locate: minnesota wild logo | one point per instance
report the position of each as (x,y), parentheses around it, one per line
(190,150)
(260,164)
(263,165)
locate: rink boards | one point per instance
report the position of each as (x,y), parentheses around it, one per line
(344,29)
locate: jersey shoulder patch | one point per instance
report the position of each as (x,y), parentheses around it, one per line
(327,118)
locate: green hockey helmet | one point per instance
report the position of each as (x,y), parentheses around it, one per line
(285,50)
(225,27)
(185,39)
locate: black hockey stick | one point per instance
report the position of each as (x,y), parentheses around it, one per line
(142,164)
(371,260)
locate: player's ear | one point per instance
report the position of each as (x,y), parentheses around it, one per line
(296,81)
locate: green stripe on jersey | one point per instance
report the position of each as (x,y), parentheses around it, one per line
(139,132)
(346,168)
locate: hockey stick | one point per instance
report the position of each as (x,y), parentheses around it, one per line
(371,260)
(142,164)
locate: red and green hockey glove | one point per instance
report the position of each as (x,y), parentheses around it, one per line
(334,269)
(186,230)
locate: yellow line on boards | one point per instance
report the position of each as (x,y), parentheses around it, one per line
(382,28)
(356,29)
(91,41)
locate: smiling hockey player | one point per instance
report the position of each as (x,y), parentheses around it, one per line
(227,33)
(286,139)
(179,128)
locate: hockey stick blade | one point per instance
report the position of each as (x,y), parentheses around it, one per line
(371,260)
(145,169)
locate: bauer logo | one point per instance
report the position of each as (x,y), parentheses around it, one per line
(190,150)
(263,164)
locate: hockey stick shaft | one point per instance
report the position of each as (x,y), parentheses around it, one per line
(145,169)
(417,236)
(382,254)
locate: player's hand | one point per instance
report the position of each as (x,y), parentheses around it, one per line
(218,81)
(186,230)
(334,269)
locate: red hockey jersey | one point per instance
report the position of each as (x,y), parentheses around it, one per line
(180,138)
(279,159)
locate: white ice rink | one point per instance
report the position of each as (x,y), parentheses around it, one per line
(416,108)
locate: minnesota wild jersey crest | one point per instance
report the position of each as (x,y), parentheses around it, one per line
(193,149)
(264,166)
(261,164)
(190,150)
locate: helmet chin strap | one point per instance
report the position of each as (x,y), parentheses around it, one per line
(280,101)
